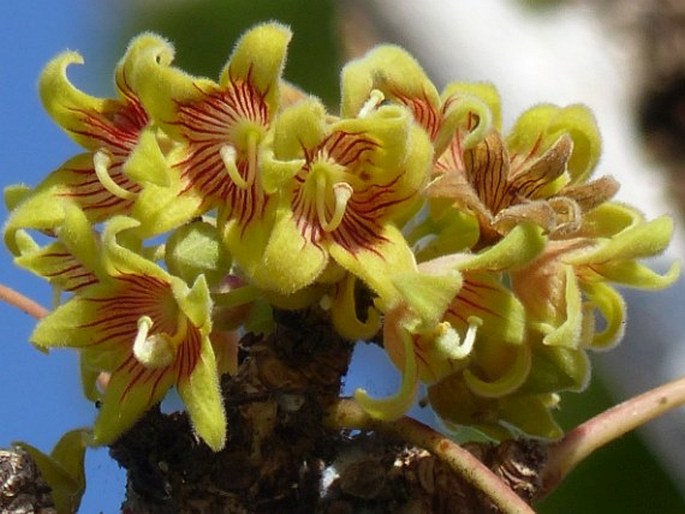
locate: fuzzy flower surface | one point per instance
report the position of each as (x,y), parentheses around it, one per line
(485,262)
(148,329)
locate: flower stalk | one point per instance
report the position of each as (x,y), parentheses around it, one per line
(22,302)
(347,414)
(565,454)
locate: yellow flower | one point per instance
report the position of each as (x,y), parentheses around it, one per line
(563,287)
(463,113)
(145,327)
(457,317)
(219,131)
(347,182)
(107,179)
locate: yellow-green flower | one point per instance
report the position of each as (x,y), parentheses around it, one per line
(463,113)
(563,287)
(344,184)
(148,329)
(457,317)
(107,178)
(219,130)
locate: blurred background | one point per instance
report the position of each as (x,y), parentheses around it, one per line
(623,58)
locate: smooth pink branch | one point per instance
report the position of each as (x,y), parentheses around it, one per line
(611,424)
(18,300)
(348,414)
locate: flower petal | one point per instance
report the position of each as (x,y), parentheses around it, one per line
(569,332)
(132,390)
(398,76)
(345,316)
(65,103)
(643,240)
(613,308)
(539,128)
(202,398)
(70,324)
(469,111)
(508,382)
(57,264)
(392,407)
(483,296)
(428,295)
(377,265)
(286,263)
(260,55)
(516,249)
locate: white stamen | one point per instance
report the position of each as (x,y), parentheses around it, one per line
(101,163)
(228,156)
(449,343)
(343,192)
(375,99)
(155,350)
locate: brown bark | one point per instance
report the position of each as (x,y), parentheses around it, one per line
(281,458)
(22,488)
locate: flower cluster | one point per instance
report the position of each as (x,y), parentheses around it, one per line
(198,206)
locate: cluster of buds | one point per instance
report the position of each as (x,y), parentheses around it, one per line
(485,261)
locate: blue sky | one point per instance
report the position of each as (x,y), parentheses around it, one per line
(41,394)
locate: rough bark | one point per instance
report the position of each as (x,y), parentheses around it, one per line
(22,488)
(281,458)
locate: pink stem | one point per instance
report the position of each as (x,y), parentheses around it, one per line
(611,424)
(22,302)
(348,414)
